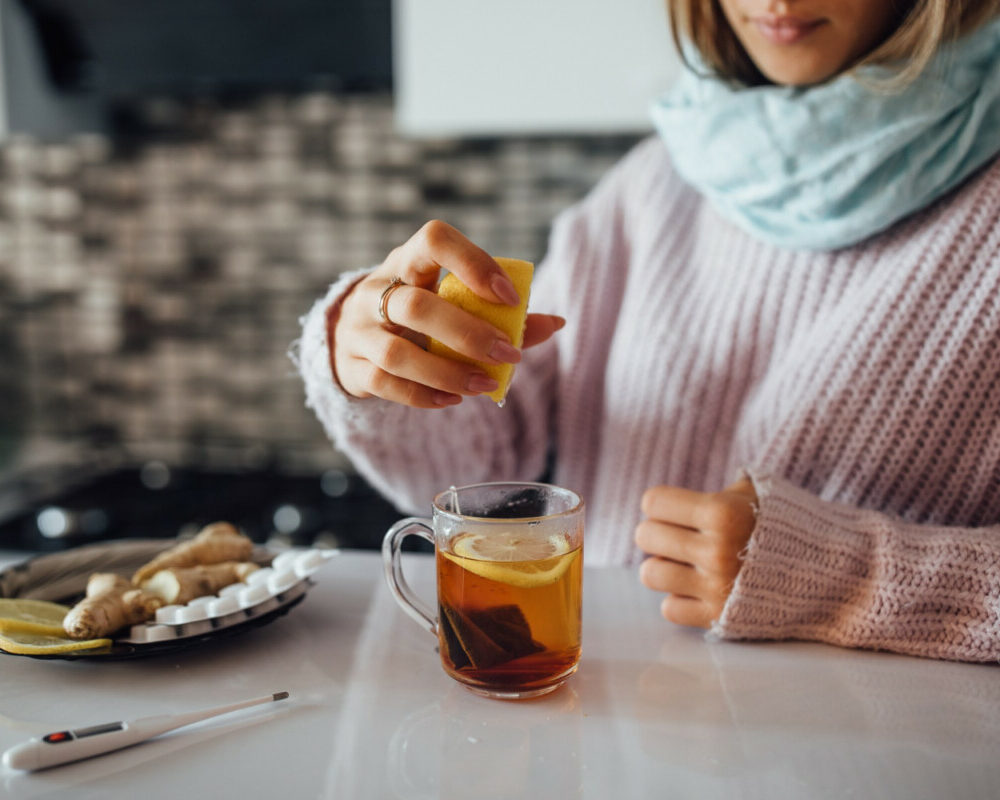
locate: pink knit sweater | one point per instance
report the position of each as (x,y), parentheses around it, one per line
(860,389)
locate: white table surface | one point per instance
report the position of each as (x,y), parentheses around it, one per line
(654,711)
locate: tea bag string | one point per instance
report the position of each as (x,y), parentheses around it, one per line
(454,499)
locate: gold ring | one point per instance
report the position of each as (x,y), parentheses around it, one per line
(383,301)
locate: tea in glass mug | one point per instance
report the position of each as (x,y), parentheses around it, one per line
(509,559)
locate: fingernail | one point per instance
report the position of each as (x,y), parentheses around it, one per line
(560,323)
(481,383)
(504,289)
(446,399)
(505,352)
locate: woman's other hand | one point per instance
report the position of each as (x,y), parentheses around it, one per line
(373,358)
(695,541)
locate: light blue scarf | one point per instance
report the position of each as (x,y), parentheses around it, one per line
(828,166)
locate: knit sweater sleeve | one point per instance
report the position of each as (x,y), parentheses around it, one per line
(827,572)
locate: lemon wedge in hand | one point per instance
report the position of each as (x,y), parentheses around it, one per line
(509,319)
(513,558)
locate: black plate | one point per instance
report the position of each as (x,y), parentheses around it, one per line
(62,578)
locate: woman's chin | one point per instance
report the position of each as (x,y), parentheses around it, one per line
(796,71)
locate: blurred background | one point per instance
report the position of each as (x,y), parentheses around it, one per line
(180,181)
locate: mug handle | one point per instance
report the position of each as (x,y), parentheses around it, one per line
(408,601)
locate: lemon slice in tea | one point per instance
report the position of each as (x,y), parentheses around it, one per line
(513,558)
(508,546)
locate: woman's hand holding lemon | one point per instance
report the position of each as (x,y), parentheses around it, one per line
(372,357)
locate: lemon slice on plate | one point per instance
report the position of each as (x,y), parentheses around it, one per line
(513,558)
(14,626)
(27,610)
(40,644)
(34,627)
(23,615)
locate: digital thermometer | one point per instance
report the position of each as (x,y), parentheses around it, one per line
(61,747)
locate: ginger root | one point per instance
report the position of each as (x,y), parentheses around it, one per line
(214,543)
(180,585)
(200,566)
(111,602)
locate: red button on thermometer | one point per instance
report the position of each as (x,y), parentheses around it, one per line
(64,746)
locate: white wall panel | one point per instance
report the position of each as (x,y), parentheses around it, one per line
(481,67)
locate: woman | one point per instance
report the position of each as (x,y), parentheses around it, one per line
(795,286)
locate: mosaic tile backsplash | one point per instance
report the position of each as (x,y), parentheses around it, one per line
(150,285)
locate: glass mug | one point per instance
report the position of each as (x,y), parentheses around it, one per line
(509,560)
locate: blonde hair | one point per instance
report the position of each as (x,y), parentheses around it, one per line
(922,27)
